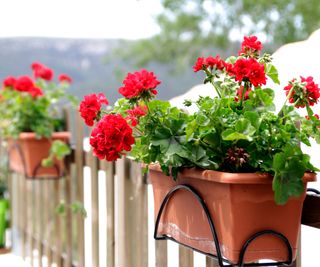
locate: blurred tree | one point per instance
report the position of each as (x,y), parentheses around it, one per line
(190,28)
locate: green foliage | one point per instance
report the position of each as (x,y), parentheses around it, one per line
(35,107)
(23,113)
(207,138)
(3,188)
(4,172)
(193,28)
(75,208)
(237,131)
(59,150)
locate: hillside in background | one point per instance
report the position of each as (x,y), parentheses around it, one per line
(85,61)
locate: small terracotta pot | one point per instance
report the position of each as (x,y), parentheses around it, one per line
(27,152)
(240,204)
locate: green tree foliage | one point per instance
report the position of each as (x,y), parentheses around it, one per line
(190,28)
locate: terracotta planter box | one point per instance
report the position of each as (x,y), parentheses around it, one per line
(27,152)
(240,206)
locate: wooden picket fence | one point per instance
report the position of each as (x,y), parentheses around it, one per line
(47,238)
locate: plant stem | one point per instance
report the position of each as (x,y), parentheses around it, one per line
(245,87)
(210,76)
(280,113)
(309,110)
(217,90)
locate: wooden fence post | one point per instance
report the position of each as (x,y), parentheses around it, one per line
(93,164)
(136,219)
(185,257)
(79,160)
(161,253)
(58,245)
(68,230)
(108,168)
(121,236)
(131,219)
(210,262)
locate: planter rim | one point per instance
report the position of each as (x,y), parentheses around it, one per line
(230,178)
(32,135)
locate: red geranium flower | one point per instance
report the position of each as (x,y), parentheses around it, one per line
(9,81)
(135,114)
(65,78)
(41,71)
(90,107)
(249,70)
(199,65)
(139,82)
(215,62)
(250,46)
(35,92)
(24,84)
(212,62)
(111,137)
(305,92)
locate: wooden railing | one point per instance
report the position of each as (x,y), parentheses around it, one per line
(120,212)
(116,198)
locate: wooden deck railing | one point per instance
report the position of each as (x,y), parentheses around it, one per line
(117,194)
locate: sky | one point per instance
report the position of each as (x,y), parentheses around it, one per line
(128,19)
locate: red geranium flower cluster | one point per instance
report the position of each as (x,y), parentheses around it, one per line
(137,83)
(9,82)
(90,107)
(303,92)
(111,136)
(65,78)
(244,69)
(249,70)
(250,46)
(209,62)
(113,132)
(22,84)
(42,71)
(26,84)
(136,113)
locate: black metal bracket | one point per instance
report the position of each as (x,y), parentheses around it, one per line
(17,147)
(222,261)
(312,190)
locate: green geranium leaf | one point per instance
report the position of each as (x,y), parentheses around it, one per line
(162,133)
(272,72)
(162,143)
(265,97)
(155,105)
(254,118)
(289,167)
(211,138)
(231,135)
(202,120)
(244,126)
(191,128)
(48,162)
(60,149)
